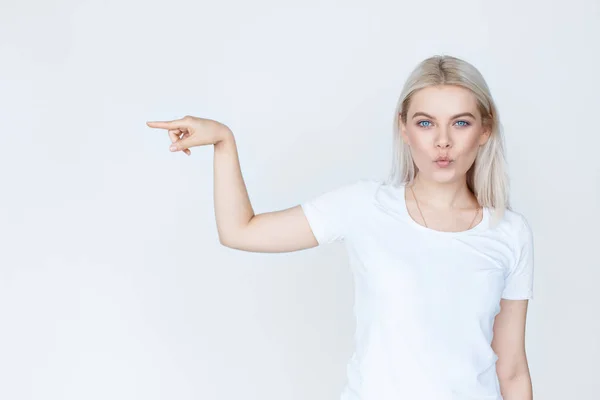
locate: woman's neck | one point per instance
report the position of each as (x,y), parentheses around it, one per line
(451,195)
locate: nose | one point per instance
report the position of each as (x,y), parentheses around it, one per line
(443,139)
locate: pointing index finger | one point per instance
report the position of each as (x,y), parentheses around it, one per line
(165,124)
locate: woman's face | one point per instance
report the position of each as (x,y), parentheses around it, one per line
(444,131)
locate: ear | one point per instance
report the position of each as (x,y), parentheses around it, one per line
(485,135)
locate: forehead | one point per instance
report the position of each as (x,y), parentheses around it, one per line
(443,101)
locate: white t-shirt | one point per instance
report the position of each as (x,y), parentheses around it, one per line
(425,300)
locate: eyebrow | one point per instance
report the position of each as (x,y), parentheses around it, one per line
(465,114)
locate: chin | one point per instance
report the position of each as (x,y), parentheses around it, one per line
(448,175)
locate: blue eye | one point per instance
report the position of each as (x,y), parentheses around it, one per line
(420,123)
(462,123)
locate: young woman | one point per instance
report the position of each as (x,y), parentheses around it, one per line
(443,267)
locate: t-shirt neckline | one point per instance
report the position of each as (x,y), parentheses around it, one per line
(404,210)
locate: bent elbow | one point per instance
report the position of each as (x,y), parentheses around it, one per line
(232,241)
(225,241)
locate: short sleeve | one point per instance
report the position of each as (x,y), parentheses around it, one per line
(519,280)
(329,214)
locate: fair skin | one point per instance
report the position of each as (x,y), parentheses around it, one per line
(238,227)
(442,193)
(445,121)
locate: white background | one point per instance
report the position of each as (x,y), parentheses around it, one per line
(112,282)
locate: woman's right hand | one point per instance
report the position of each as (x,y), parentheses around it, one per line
(192,131)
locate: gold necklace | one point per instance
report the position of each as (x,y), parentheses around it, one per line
(425,222)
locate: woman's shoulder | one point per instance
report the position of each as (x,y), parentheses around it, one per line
(348,195)
(373,186)
(515,225)
(513,219)
(370,190)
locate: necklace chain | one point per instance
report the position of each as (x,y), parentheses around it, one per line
(425,222)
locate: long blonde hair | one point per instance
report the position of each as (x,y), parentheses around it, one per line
(487,178)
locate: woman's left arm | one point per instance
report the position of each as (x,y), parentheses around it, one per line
(509,345)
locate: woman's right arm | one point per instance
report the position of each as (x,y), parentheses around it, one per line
(238,226)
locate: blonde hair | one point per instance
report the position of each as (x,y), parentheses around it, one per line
(487,177)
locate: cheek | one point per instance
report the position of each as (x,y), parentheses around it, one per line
(476,144)
(469,142)
(471,146)
(467,151)
(418,141)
